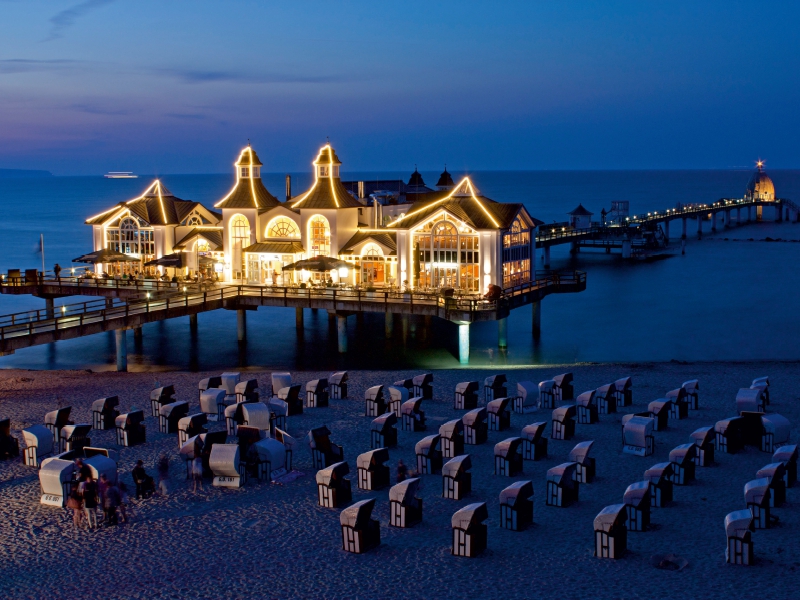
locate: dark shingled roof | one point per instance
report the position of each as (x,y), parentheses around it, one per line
(275,247)
(245,196)
(445,180)
(244,158)
(387,239)
(416,179)
(321,195)
(580,212)
(212,235)
(149,207)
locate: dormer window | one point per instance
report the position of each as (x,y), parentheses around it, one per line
(256,172)
(335,170)
(245,172)
(323,170)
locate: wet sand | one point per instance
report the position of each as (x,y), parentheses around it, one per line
(268,540)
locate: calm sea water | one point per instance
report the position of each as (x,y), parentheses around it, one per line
(724,299)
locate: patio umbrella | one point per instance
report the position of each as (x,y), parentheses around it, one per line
(169,260)
(104,256)
(318,264)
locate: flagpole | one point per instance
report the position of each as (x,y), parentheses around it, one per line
(41,243)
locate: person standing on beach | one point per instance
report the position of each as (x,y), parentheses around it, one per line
(139,478)
(123,501)
(74,503)
(197,473)
(110,504)
(163,475)
(88,490)
(102,487)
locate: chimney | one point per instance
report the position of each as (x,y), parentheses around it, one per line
(288,187)
(361,189)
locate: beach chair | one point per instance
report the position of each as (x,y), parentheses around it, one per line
(749,400)
(623,389)
(289,444)
(692,388)
(130,429)
(738,528)
(189,450)
(757,498)
(382,431)
(682,460)
(405,508)
(534,444)
(562,487)
(563,423)
(610,532)
(55,420)
(469,530)
(516,506)
(637,503)
(637,435)
(224,463)
(429,456)
(212,404)
(586,409)
(56,477)
(280,381)
(291,395)
(547,394)
(475,427)
(605,398)
(466,395)
(257,415)
(333,489)
(373,474)
(586,468)
(660,478)
(317,393)
(774,432)
(494,386)
(508,457)
(38,445)
(267,458)
(659,411)
(407,384)
(498,414)
(229,381)
(360,532)
(788,456)
(279,412)
(456,477)
(397,395)
(9,446)
(209,383)
(729,435)
(191,426)
(75,437)
(247,391)
(338,383)
(413,417)
(423,386)
(170,415)
(451,438)
(100,463)
(159,397)
(763,384)
(564,389)
(104,413)
(527,398)
(323,452)
(679,409)
(776,473)
(704,440)
(375,405)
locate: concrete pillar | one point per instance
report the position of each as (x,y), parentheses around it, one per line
(122,349)
(626,247)
(404,326)
(388,324)
(573,247)
(193,322)
(714,221)
(49,308)
(666,230)
(778,213)
(699,226)
(241,325)
(759,212)
(298,317)
(341,329)
(537,318)
(728,214)
(683,244)
(463,343)
(749,213)
(502,333)
(738,216)
(547,257)
(137,333)
(683,227)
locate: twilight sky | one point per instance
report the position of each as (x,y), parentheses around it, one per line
(178,86)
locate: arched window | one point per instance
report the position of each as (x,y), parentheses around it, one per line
(240,238)
(320,236)
(129,236)
(373,265)
(445,256)
(194,220)
(282,227)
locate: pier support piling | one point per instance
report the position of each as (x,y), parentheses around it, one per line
(388,324)
(109,303)
(749,213)
(502,333)
(341,330)
(683,244)
(298,317)
(138,333)
(626,247)
(463,343)
(50,308)
(666,231)
(241,325)
(122,349)
(537,318)
(193,322)
(714,222)
(699,227)
(547,257)
(683,227)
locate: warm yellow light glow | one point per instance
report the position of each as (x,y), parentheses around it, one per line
(161,201)
(464,182)
(238,177)
(316,177)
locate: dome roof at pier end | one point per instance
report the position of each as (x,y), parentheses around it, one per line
(760,185)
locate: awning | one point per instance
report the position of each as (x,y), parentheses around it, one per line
(275,248)
(104,256)
(318,263)
(169,260)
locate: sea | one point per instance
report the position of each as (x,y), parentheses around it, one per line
(731,297)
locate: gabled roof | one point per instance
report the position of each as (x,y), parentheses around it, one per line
(580,212)
(156,206)
(466,203)
(386,239)
(213,235)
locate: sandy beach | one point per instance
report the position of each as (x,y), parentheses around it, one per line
(268,540)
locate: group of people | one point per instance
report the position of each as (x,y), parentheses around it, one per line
(87,495)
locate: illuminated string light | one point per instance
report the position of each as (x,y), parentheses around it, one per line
(238,177)
(316,176)
(465,183)
(161,201)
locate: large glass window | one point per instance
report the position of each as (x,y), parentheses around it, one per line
(129,238)
(373,266)
(445,256)
(320,236)
(240,238)
(516,254)
(282,227)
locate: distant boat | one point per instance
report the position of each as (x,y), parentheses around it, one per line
(120,175)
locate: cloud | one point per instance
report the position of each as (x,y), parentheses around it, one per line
(199,76)
(195,116)
(27,65)
(66,18)
(101,110)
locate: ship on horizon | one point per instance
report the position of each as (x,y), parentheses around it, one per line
(120,175)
